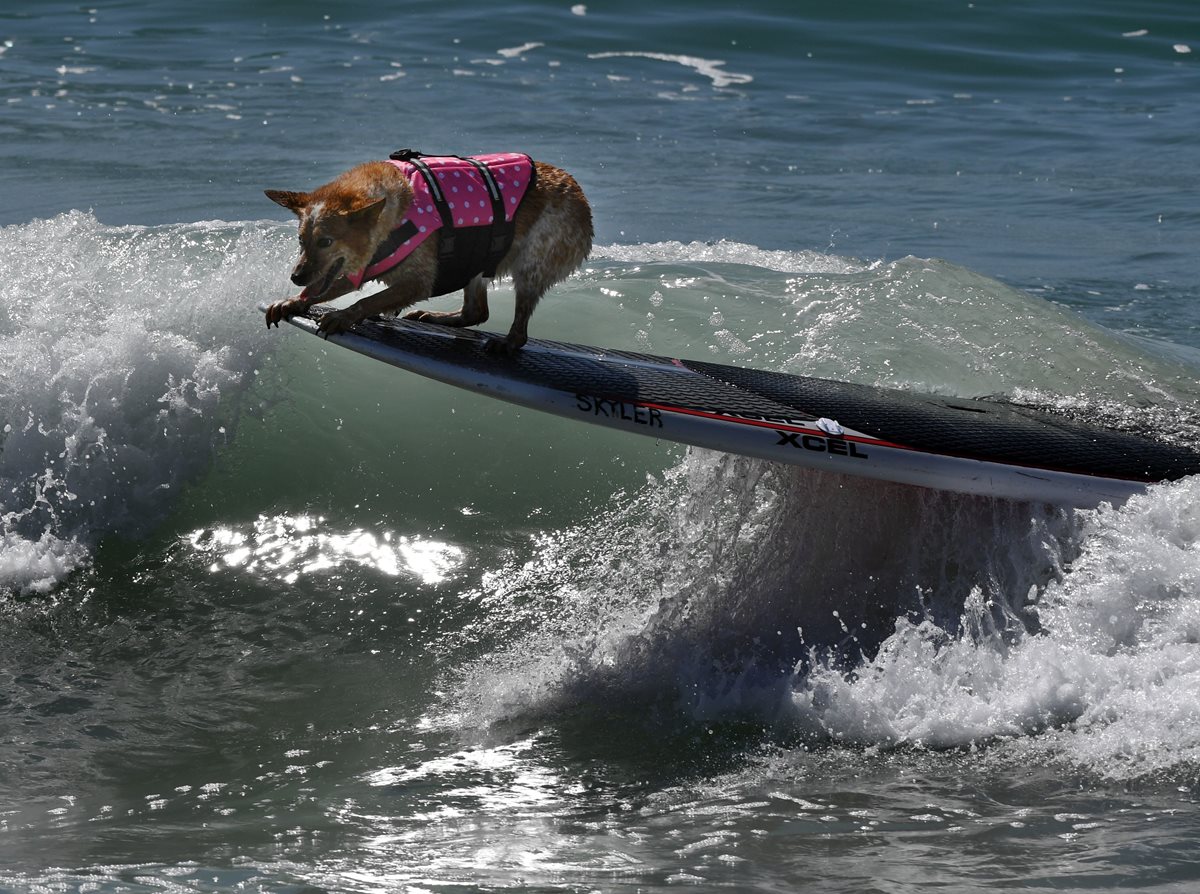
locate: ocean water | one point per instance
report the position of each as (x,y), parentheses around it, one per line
(274,617)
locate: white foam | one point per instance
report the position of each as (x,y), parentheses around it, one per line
(36,566)
(514,52)
(724,252)
(1112,679)
(710,68)
(122,352)
(708,573)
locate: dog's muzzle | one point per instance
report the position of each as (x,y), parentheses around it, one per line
(300,279)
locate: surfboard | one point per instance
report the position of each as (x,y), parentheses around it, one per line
(982,447)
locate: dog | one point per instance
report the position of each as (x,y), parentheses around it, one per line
(431,225)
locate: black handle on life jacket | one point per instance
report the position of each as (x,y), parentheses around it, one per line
(406,155)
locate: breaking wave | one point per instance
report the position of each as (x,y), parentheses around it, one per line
(123,354)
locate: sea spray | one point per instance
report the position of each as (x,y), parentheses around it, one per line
(123,352)
(852,614)
(720,584)
(1110,675)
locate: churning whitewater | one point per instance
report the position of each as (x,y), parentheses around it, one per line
(124,356)
(276,617)
(150,418)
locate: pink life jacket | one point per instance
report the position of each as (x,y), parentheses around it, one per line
(472,200)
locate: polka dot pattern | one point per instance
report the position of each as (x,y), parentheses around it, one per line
(458,179)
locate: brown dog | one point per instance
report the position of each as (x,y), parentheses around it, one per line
(427,226)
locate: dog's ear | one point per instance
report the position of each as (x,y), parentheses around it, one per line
(293,201)
(367,214)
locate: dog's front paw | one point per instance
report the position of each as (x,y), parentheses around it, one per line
(281,310)
(337,321)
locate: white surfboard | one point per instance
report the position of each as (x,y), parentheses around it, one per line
(988,448)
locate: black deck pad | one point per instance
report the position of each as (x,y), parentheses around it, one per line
(989,430)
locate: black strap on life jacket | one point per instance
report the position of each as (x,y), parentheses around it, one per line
(466,252)
(395,239)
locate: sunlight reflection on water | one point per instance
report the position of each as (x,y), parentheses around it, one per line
(289,546)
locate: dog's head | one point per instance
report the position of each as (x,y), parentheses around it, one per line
(337,235)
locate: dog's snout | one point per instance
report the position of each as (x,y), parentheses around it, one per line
(302,273)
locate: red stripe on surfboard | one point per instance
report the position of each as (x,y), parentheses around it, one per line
(760,423)
(775,426)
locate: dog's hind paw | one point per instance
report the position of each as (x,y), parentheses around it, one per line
(502,347)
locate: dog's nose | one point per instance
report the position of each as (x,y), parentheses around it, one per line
(298,278)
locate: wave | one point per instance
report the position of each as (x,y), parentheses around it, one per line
(723,587)
(126,354)
(123,353)
(847,613)
(1111,676)
(724,252)
(130,353)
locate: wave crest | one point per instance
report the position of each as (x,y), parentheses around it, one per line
(123,351)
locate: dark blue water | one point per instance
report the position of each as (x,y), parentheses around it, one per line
(277,618)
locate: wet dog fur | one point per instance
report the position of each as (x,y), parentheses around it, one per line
(343,222)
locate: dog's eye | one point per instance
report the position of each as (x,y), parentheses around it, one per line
(324,242)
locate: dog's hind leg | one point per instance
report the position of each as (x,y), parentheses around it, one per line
(527,299)
(473,312)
